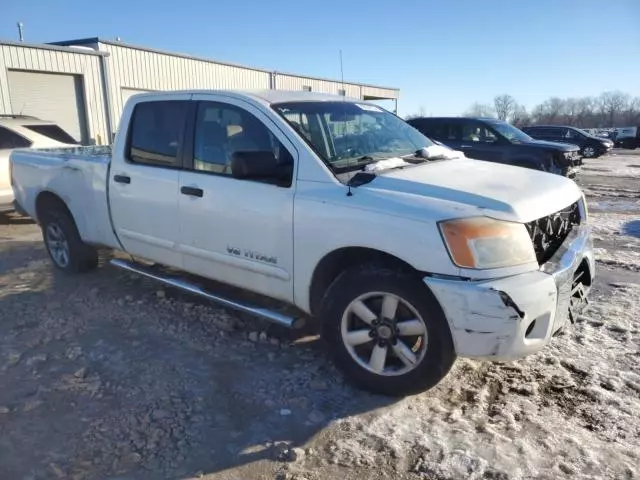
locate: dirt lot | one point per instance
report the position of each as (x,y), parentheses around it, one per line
(107,376)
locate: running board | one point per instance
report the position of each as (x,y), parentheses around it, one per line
(270,315)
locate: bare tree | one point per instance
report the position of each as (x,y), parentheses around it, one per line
(584,117)
(549,111)
(612,104)
(479,110)
(520,117)
(632,112)
(504,105)
(422,112)
(610,109)
(571,111)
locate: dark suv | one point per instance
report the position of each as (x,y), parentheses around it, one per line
(590,145)
(497,141)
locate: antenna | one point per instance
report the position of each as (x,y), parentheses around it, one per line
(20,33)
(342,74)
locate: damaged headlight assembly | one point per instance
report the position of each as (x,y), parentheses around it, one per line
(483,242)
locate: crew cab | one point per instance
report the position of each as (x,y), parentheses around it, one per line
(590,146)
(494,140)
(406,253)
(20,131)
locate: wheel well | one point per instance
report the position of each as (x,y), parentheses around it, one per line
(50,201)
(340,260)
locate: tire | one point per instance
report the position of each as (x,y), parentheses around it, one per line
(59,228)
(371,285)
(589,152)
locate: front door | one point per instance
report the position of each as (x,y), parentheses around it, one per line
(480,142)
(237,231)
(571,136)
(143,187)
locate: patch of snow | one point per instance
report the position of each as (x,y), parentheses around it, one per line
(615,206)
(629,259)
(442,151)
(385,164)
(613,165)
(617,224)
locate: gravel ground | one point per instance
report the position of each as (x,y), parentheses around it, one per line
(107,376)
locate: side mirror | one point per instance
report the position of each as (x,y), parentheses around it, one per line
(254,165)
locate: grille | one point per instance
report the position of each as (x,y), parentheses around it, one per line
(548,233)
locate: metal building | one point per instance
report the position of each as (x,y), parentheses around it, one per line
(55,83)
(83,84)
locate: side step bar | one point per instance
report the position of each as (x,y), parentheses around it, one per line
(192,288)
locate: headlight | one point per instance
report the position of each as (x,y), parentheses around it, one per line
(483,242)
(584,214)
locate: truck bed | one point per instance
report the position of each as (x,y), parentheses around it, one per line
(77,175)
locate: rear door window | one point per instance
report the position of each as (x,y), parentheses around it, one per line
(156,133)
(9,139)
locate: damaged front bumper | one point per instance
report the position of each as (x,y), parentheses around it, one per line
(515,316)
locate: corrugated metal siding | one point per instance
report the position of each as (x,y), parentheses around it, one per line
(55,97)
(131,68)
(42,60)
(379,92)
(295,82)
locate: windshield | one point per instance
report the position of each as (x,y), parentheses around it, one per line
(345,133)
(510,132)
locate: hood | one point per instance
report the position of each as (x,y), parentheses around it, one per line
(562,147)
(492,189)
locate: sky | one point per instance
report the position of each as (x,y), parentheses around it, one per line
(442,55)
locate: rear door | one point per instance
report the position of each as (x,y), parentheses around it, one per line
(539,133)
(144,186)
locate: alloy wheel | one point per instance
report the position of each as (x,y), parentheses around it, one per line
(384,333)
(58,245)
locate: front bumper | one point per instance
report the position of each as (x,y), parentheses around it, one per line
(515,316)
(6,200)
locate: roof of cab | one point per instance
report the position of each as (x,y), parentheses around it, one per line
(265,96)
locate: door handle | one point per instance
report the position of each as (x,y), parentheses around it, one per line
(465,146)
(192,191)
(122,179)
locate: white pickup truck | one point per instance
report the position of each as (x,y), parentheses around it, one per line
(407,254)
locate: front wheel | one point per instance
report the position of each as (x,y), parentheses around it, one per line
(386,331)
(589,152)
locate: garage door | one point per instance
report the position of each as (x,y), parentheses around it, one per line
(50,96)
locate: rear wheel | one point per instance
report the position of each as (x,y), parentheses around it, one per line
(64,245)
(386,331)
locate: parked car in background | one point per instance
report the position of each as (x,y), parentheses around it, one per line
(21,131)
(628,137)
(497,141)
(590,145)
(334,207)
